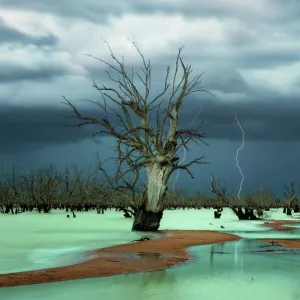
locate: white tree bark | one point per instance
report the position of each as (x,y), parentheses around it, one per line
(158,176)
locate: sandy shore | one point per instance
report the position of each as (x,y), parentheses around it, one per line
(165,251)
(283,242)
(149,255)
(278,225)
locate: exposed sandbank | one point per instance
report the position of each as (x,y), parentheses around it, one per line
(148,255)
(286,243)
(278,225)
(168,250)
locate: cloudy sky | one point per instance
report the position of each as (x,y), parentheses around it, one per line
(249,52)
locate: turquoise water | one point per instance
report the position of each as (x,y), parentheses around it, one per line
(244,269)
(230,271)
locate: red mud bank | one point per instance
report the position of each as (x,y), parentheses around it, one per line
(122,259)
(283,243)
(279,225)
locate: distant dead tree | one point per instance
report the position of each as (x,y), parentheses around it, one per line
(243,214)
(43,185)
(290,197)
(145,126)
(262,199)
(9,193)
(124,188)
(82,187)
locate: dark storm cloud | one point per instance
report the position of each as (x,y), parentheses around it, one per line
(269,119)
(11,35)
(26,127)
(17,73)
(226,80)
(265,115)
(255,57)
(12,72)
(266,58)
(223,79)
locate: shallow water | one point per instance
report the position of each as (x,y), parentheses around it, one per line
(293,234)
(229,271)
(294,226)
(34,241)
(232,270)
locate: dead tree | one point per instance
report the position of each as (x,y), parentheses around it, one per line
(30,184)
(9,193)
(83,189)
(146,126)
(47,183)
(220,191)
(67,189)
(290,197)
(123,190)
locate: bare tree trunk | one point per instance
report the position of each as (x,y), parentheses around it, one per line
(152,144)
(148,216)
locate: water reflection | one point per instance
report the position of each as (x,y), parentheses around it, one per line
(157,278)
(224,271)
(216,250)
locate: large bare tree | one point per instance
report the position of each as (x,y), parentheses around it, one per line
(145,126)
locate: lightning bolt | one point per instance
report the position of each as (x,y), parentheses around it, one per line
(184,150)
(177,174)
(198,113)
(237,156)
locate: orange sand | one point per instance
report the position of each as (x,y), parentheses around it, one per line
(160,253)
(128,258)
(278,225)
(286,243)
(283,243)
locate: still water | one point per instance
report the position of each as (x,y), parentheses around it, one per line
(244,269)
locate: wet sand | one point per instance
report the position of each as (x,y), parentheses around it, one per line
(166,251)
(278,225)
(283,243)
(150,255)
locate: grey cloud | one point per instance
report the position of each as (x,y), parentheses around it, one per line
(226,80)
(215,78)
(99,11)
(280,10)
(251,38)
(87,9)
(255,55)
(265,114)
(11,35)
(12,72)
(17,73)
(252,57)
(264,119)
(268,58)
